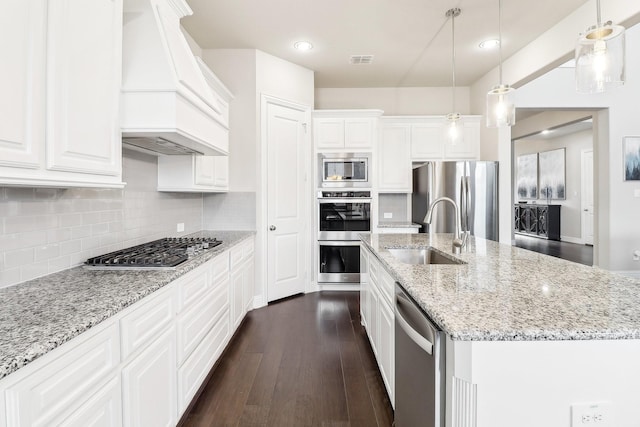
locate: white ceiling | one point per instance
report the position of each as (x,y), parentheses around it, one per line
(410,39)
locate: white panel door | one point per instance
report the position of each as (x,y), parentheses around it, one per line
(235,295)
(22,103)
(587,197)
(149,385)
(84,45)
(221,172)
(386,347)
(394,153)
(285,201)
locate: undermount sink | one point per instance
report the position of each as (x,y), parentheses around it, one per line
(426,255)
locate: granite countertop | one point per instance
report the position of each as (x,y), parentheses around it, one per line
(41,314)
(397,224)
(505,293)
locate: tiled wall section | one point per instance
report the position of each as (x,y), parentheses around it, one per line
(46,230)
(396,204)
(230,211)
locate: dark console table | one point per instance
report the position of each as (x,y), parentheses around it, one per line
(537,220)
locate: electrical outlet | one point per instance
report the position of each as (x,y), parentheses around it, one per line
(180,227)
(388,215)
(597,414)
(636,255)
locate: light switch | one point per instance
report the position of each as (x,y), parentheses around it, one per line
(636,192)
(388,215)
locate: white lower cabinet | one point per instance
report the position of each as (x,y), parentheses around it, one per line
(195,370)
(104,409)
(56,389)
(143,366)
(149,388)
(379,319)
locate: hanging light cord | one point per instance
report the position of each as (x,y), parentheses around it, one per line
(453,60)
(599,17)
(500,37)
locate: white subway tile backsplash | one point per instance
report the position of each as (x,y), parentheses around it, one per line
(18,258)
(70,247)
(9,276)
(45,230)
(47,252)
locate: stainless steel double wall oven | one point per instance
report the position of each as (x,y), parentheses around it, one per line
(344,211)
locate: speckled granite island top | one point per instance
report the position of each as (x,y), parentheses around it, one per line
(40,315)
(505,293)
(398,224)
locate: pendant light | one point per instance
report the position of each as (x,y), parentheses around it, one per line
(454,119)
(501,109)
(600,57)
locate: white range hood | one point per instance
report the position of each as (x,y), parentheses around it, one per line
(167,106)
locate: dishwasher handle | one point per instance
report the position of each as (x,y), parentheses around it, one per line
(415,336)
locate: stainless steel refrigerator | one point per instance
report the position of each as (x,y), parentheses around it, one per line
(477,196)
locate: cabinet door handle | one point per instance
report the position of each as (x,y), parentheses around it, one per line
(272,228)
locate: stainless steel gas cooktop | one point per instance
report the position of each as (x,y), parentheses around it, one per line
(161,254)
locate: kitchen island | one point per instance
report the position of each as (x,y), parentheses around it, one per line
(528,335)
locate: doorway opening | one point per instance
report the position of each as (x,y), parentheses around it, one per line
(553,183)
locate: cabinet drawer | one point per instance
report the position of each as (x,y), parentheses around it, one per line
(65,381)
(373,268)
(145,322)
(103,409)
(236,256)
(247,248)
(386,285)
(192,286)
(197,367)
(194,324)
(220,267)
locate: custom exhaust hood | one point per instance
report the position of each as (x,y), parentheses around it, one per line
(167,107)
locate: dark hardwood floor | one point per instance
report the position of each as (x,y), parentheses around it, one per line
(303,361)
(582,254)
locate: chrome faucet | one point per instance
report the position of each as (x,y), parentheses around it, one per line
(458,241)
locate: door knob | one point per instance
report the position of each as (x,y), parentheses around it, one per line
(586,210)
(272,228)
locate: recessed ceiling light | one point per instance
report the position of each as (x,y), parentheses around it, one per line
(545,132)
(489,44)
(303,46)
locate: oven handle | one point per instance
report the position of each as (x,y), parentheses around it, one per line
(346,200)
(339,242)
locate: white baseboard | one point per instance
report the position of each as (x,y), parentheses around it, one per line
(259,301)
(576,240)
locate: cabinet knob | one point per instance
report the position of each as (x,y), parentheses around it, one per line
(272,228)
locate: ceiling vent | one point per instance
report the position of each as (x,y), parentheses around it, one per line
(361,59)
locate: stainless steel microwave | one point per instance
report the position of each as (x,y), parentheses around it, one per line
(339,170)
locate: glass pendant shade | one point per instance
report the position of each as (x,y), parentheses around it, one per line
(600,58)
(454,127)
(501,109)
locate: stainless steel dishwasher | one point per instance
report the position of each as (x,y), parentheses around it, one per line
(420,366)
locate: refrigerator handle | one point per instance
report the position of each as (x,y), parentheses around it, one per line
(465,202)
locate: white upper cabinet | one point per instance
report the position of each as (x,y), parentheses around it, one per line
(426,139)
(345,130)
(429,138)
(468,147)
(394,158)
(60,103)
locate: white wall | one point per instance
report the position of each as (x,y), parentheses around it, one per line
(574,144)
(249,74)
(394,101)
(44,230)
